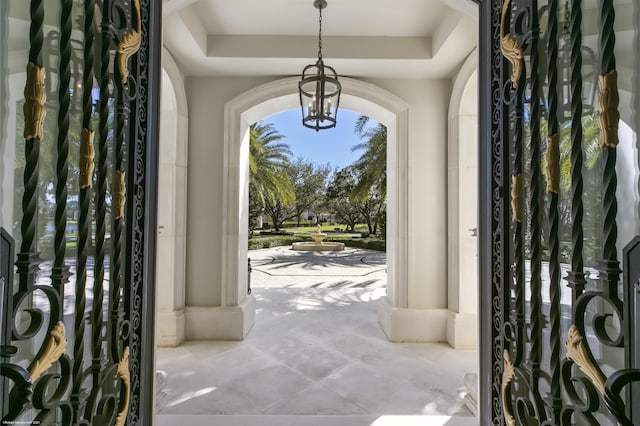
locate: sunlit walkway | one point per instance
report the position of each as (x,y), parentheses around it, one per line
(314,351)
(282,267)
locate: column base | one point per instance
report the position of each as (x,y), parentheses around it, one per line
(462,330)
(220,323)
(412,325)
(171,327)
(471,397)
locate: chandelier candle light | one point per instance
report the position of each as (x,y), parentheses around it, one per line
(319,88)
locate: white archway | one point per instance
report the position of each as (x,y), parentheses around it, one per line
(462,241)
(280,95)
(172,206)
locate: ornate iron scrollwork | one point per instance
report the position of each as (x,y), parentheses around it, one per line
(517,197)
(125,377)
(87,153)
(609,114)
(510,47)
(105,387)
(508,375)
(35,97)
(541,382)
(129,44)
(578,353)
(119,192)
(51,352)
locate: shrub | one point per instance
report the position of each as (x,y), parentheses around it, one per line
(272,241)
(364,243)
(275,233)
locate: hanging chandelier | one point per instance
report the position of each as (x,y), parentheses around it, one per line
(319,88)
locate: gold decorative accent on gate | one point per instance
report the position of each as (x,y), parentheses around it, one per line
(125,375)
(53,350)
(553,163)
(508,375)
(510,48)
(608,105)
(578,353)
(517,197)
(119,192)
(87,153)
(129,45)
(34,99)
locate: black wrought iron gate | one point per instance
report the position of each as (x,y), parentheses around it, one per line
(559,342)
(78,174)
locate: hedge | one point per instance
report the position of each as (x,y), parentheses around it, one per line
(275,233)
(257,243)
(272,241)
(364,243)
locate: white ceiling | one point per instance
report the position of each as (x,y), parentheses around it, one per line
(361,38)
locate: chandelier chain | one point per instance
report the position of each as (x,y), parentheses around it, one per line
(566,22)
(320,34)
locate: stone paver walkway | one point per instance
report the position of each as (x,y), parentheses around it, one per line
(282,267)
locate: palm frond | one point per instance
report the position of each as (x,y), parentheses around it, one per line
(268,159)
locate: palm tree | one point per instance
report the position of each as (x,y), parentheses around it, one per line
(268,180)
(372,164)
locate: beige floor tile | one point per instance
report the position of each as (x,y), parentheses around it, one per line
(313,352)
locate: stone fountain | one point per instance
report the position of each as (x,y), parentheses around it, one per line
(318,243)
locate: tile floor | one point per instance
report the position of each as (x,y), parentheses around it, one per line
(314,355)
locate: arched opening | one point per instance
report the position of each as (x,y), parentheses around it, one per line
(269,99)
(462,326)
(172,205)
(317,173)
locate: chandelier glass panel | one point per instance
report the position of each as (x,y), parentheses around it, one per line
(319,88)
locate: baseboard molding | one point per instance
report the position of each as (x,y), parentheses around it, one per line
(412,325)
(220,323)
(462,330)
(471,404)
(471,397)
(171,327)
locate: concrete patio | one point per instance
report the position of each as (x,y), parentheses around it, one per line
(315,356)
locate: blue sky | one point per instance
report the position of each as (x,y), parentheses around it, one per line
(326,146)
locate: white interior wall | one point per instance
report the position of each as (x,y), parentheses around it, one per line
(206,98)
(424,316)
(205,207)
(427,185)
